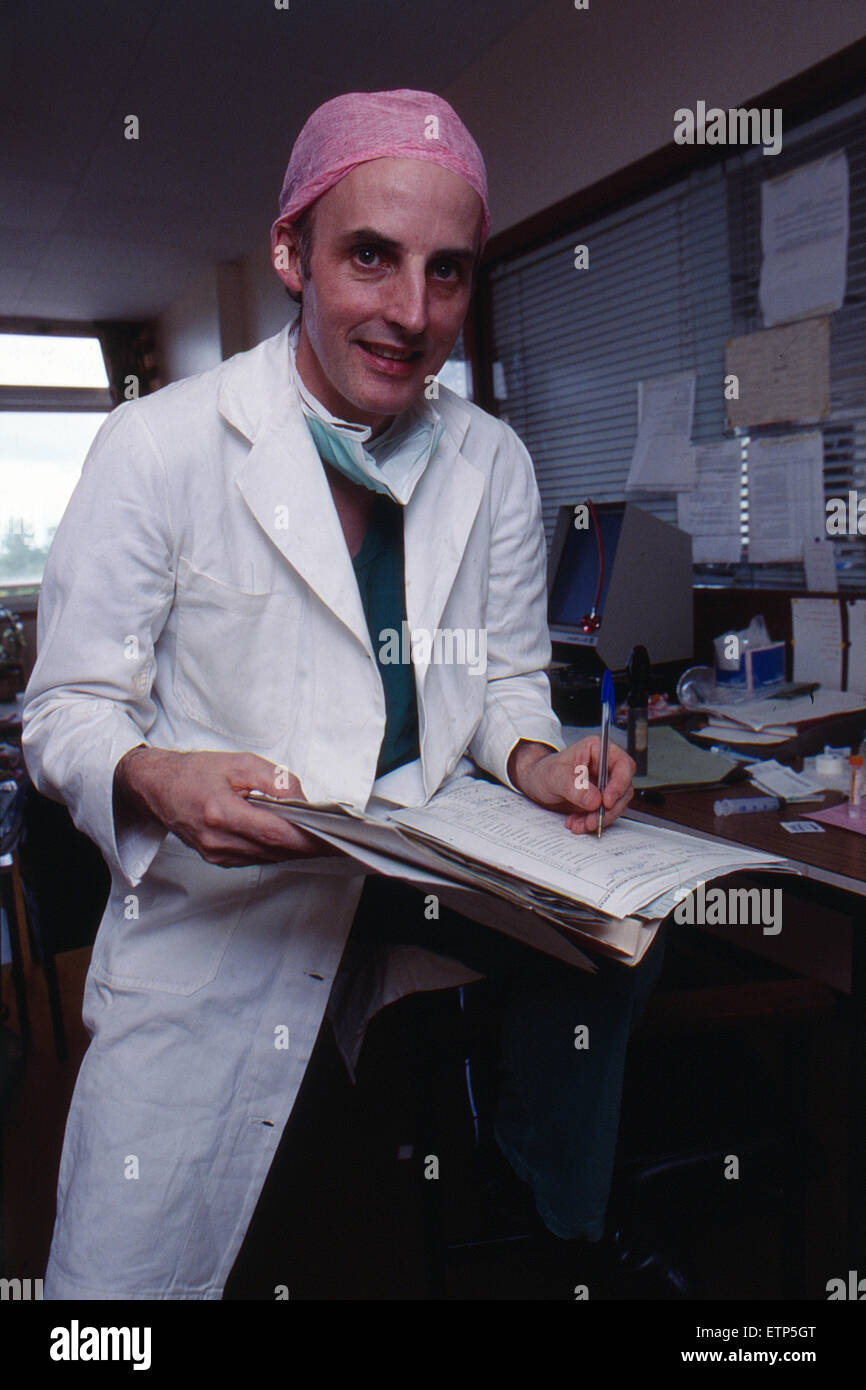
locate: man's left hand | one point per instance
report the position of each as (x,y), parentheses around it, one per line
(554,780)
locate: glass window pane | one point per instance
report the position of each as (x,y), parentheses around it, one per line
(41,454)
(455,374)
(34,359)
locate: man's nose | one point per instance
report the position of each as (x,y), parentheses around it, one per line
(407,304)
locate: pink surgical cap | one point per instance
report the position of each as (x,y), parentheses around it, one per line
(359,126)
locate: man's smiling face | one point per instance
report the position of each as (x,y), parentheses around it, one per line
(394,244)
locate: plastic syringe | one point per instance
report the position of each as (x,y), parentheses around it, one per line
(739,806)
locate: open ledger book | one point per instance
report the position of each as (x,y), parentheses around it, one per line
(609,894)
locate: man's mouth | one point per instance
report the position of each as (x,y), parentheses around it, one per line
(395,360)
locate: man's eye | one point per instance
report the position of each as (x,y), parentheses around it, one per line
(367,255)
(446,270)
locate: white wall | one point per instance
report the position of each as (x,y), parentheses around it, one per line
(188,332)
(233,306)
(570,96)
(269,308)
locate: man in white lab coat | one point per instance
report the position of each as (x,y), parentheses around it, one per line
(207,626)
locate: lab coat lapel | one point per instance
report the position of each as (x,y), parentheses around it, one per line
(285,488)
(283,483)
(438,520)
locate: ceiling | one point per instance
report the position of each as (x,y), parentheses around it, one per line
(93,225)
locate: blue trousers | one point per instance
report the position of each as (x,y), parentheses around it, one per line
(564,1035)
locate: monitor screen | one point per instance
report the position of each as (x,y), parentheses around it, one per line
(646,595)
(576,579)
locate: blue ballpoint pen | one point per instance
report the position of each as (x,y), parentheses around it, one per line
(607,712)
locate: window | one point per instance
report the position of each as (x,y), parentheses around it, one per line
(54,395)
(671,276)
(844,431)
(570,345)
(456,373)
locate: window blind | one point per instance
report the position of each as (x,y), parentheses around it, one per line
(670,278)
(844,431)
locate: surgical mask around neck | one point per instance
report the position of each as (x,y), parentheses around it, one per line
(397,465)
(391,464)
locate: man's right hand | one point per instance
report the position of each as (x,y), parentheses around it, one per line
(200,798)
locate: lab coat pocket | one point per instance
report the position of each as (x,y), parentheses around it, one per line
(172,933)
(236,658)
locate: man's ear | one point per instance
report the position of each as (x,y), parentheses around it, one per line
(286,260)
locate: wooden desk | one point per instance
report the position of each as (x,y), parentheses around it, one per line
(830,880)
(836,858)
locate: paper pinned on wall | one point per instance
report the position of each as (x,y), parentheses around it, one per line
(711,511)
(663,458)
(817,628)
(783,375)
(804,239)
(786,495)
(857,645)
(819,559)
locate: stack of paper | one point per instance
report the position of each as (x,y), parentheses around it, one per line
(780,716)
(481,834)
(776,780)
(730,735)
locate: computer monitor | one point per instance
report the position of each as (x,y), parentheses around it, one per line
(646,594)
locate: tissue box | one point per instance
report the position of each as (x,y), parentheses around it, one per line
(758,668)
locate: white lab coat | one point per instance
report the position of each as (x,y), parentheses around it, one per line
(199,594)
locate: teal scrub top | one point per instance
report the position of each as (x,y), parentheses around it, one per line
(379,570)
